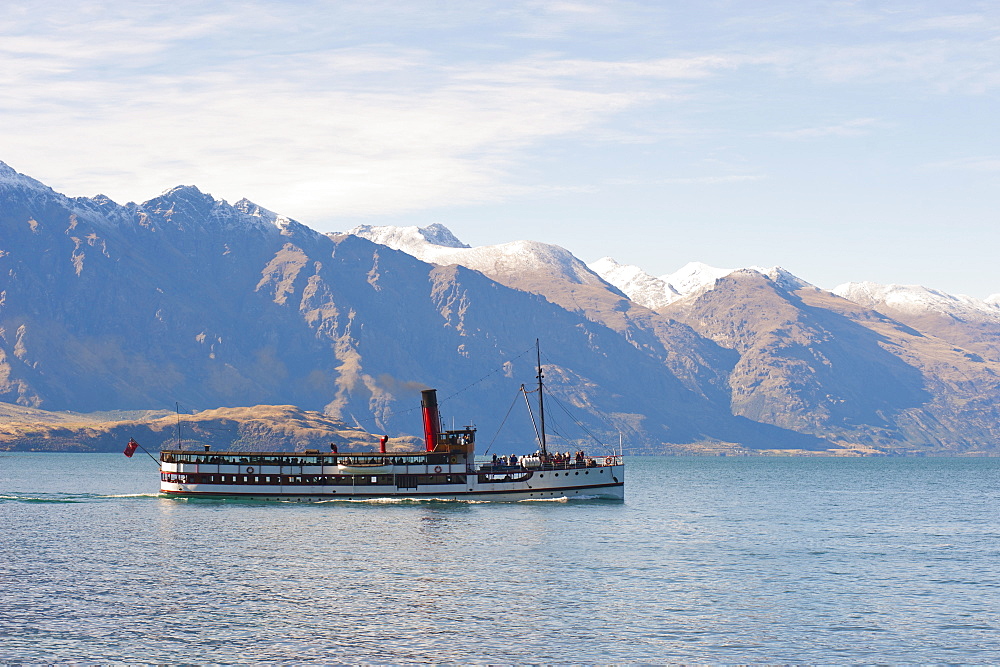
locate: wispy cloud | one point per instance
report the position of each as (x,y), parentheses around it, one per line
(851,128)
(948,22)
(308,134)
(324,109)
(315,132)
(707,179)
(714,180)
(941,66)
(626,72)
(978,163)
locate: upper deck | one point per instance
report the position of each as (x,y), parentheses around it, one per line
(452,447)
(308,458)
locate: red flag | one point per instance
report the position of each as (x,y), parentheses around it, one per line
(130,447)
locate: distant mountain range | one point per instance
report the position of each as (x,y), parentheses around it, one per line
(191,300)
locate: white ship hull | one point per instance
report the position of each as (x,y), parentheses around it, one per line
(317,483)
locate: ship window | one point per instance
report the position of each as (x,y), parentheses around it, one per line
(374,480)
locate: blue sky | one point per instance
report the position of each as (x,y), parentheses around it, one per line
(840,140)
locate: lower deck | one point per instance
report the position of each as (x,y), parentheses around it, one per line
(221,477)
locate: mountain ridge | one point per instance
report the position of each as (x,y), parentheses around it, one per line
(188,298)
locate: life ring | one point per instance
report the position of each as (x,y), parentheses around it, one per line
(610,461)
(250,470)
(437,468)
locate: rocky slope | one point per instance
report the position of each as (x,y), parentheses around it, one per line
(186,298)
(189,299)
(817,363)
(865,371)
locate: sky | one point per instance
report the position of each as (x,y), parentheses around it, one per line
(843,141)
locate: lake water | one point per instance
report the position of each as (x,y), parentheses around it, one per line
(772,560)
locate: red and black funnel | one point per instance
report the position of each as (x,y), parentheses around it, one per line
(432,421)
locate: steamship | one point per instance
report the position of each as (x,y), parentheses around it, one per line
(446,470)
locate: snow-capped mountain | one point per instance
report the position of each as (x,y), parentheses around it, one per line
(511,264)
(508,263)
(187,298)
(11,179)
(186,205)
(644,289)
(413,237)
(691,279)
(965,322)
(917,299)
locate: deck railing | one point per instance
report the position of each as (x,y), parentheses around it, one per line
(570,464)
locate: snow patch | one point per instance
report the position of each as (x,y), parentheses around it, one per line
(918,300)
(514,259)
(695,277)
(658,292)
(639,286)
(692,278)
(414,237)
(781,277)
(11,178)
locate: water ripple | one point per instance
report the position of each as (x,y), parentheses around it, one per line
(710,561)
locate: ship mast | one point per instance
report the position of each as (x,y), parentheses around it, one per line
(541,400)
